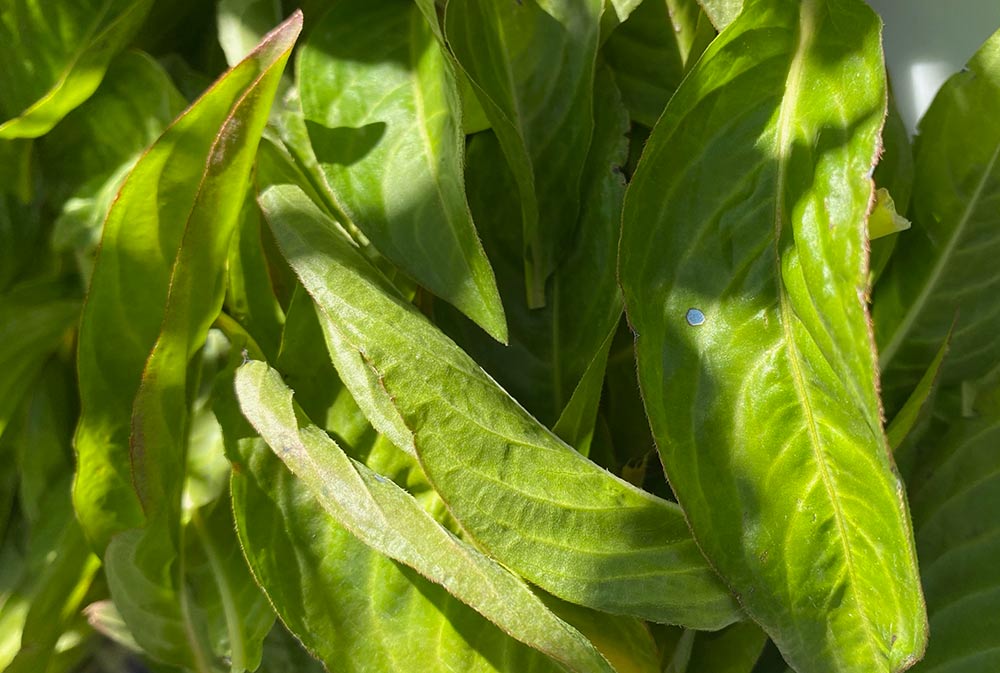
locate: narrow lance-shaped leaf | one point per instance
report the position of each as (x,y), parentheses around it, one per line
(386,518)
(958,539)
(947,261)
(197,176)
(178,615)
(53,54)
(744,269)
(530,500)
(383,114)
(542,116)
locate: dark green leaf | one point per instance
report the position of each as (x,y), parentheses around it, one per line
(53,55)
(651,52)
(542,116)
(383,115)
(743,265)
(917,403)
(958,540)
(946,264)
(530,500)
(552,347)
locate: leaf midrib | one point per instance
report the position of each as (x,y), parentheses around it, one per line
(786,115)
(932,279)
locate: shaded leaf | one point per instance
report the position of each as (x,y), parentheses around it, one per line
(542,116)
(53,55)
(946,263)
(652,51)
(958,540)
(383,115)
(530,500)
(917,403)
(243,23)
(754,351)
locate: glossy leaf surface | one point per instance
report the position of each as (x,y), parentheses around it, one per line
(386,518)
(383,116)
(53,55)
(530,500)
(946,265)
(542,116)
(744,270)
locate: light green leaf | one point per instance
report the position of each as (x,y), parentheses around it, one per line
(958,540)
(576,422)
(530,500)
(884,220)
(743,265)
(53,55)
(894,173)
(543,117)
(389,520)
(198,171)
(722,12)
(947,262)
(652,51)
(552,347)
(383,114)
(243,23)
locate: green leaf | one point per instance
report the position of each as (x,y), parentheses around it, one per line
(383,114)
(53,55)
(946,263)
(543,117)
(199,170)
(528,499)
(576,422)
(735,649)
(754,350)
(33,321)
(552,347)
(722,12)
(917,403)
(884,220)
(652,51)
(389,520)
(894,173)
(243,23)
(958,540)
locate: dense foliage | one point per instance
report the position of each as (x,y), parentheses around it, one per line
(372,362)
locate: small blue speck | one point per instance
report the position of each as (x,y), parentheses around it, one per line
(695,317)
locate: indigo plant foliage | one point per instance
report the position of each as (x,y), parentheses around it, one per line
(501,336)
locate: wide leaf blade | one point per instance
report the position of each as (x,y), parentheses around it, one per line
(530,500)
(958,538)
(743,264)
(383,114)
(946,264)
(388,519)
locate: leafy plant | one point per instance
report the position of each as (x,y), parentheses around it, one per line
(368,357)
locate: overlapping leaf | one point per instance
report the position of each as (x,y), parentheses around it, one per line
(743,264)
(53,55)
(386,518)
(552,347)
(383,115)
(958,540)
(542,116)
(197,172)
(945,265)
(530,500)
